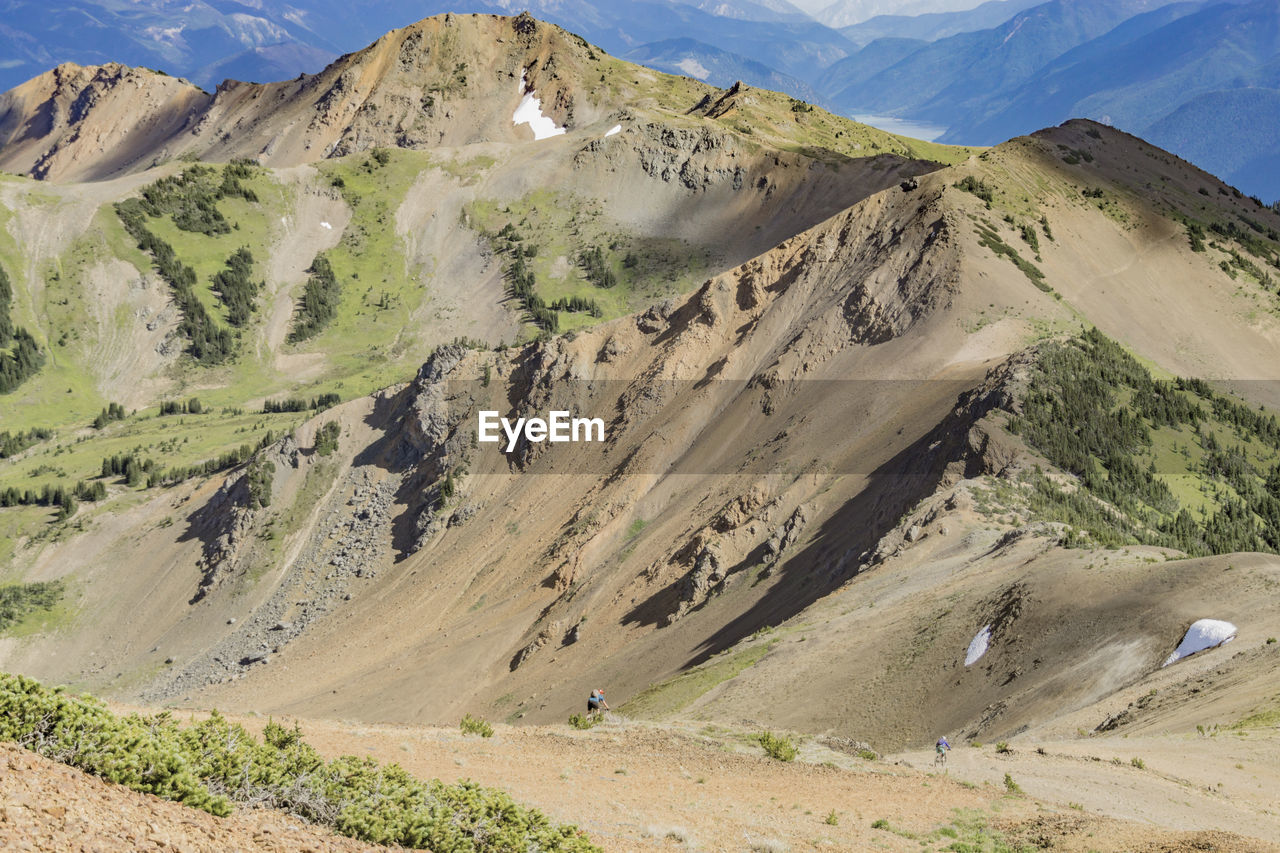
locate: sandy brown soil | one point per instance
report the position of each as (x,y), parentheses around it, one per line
(47,806)
(641,787)
(1185,782)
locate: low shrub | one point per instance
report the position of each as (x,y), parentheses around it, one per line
(216,764)
(584,721)
(475,726)
(776,746)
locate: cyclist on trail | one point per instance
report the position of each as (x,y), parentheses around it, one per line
(943,747)
(595,702)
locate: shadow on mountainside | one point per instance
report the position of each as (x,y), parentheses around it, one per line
(845,542)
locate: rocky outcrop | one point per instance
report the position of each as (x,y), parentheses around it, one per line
(783,537)
(544,636)
(76,122)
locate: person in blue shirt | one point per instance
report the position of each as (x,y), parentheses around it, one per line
(596,703)
(943,746)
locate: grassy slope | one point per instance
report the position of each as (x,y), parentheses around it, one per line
(562,226)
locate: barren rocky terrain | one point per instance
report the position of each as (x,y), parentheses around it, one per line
(817,353)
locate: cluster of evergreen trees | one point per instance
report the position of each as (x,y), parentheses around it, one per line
(521,281)
(1255,246)
(1091,408)
(17,600)
(223,462)
(181,407)
(327,438)
(192,196)
(138,470)
(578,304)
(113,412)
(132,467)
(236,288)
(50,495)
(319,303)
(301,404)
(23,357)
(16,442)
(258,478)
(522,284)
(597,268)
(207,343)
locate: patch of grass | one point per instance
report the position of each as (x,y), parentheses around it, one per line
(178,441)
(977,187)
(21,600)
(1264,719)
(669,697)
(991,239)
(564,241)
(971,832)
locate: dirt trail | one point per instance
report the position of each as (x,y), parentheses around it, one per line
(642,787)
(1181,782)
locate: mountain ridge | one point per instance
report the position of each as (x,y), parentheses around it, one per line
(865,398)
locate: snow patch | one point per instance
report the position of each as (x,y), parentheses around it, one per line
(530,112)
(617,128)
(691,66)
(1203,634)
(326,225)
(978,646)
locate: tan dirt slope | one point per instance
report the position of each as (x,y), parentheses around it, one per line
(47,806)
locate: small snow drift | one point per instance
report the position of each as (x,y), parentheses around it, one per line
(1203,634)
(530,112)
(978,646)
(617,128)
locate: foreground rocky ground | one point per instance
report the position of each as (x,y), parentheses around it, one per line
(641,787)
(48,806)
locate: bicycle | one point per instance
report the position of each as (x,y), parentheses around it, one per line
(940,759)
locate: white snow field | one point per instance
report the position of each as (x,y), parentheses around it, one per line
(978,646)
(1203,634)
(530,112)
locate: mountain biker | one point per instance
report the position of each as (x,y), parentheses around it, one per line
(942,746)
(595,702)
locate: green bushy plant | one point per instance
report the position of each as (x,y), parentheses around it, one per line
(475,726)
(777,746)
(584,721)
(216,764)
